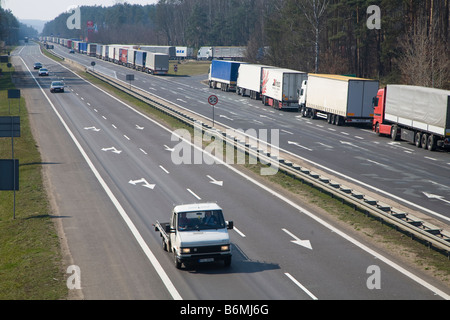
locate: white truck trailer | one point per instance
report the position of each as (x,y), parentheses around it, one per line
(249,80)
(280,88)
(157,63)
(341,99)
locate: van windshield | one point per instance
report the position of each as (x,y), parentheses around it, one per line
(200,220)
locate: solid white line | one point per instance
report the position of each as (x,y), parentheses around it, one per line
(192,192)
(301,286)
(162,274)
(239,232)
(291,203)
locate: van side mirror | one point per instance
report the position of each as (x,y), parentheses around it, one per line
(230,225)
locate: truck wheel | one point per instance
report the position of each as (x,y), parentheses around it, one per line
(418,140)
(431,143)
(394,133)
(425,141)
(176,261)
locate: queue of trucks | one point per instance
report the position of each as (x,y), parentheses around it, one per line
(415,114)
(418,115)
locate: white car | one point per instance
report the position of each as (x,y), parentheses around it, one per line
(43,72)
(57,86)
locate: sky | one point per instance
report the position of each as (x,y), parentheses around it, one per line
(49,9)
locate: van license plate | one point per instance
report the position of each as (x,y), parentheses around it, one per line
(206,260)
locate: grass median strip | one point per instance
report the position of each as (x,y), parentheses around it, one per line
(30,258)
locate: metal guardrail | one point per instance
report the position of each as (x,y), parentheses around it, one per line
(402,220)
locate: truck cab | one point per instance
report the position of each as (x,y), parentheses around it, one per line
(197,233)
(378,114)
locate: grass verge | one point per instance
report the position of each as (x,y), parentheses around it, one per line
(30,260)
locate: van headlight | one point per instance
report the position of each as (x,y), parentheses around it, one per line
(186,250)
(225,248)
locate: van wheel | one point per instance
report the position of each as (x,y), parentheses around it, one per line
(227,262)
(176,261)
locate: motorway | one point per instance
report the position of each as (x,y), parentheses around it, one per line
(111,176)
(396,171)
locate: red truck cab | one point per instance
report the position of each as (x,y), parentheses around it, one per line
(378,114)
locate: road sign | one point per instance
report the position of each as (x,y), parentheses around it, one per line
(9,171)
(175,67)
(9,127)
(212,100)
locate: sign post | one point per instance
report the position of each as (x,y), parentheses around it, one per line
(9,169)
(130,77)
(212,100)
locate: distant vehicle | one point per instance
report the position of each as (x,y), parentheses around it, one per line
(71,51)
(57,86)
(223,75)
(37,65)
(43,72)
(342,99)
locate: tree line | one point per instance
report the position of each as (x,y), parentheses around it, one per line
(11,30)
(327,36)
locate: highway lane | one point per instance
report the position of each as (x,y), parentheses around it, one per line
(126,146)
(394,170)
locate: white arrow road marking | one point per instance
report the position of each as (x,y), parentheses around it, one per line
(112,149)
(299,145)
(92,128)
(303,243)
(139,128)
(352,145)
(222,116)
(435,196)
(169,149)
(143,182)
(214,181)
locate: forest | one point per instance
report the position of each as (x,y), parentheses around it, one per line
(11,30)
(409,44)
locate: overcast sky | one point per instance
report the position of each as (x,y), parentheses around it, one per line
(50,9)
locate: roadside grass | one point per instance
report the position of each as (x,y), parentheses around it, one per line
(30,257)
(189,68)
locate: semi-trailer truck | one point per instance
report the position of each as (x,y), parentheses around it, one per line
(280,88)
(415,114)
(223,74)
(157,63)
(341,99)
(249,81)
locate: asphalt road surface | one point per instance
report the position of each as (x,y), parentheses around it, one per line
(112,174)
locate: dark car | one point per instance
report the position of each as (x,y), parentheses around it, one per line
(71,51)
(57,86)
(43,72)
(37,65)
